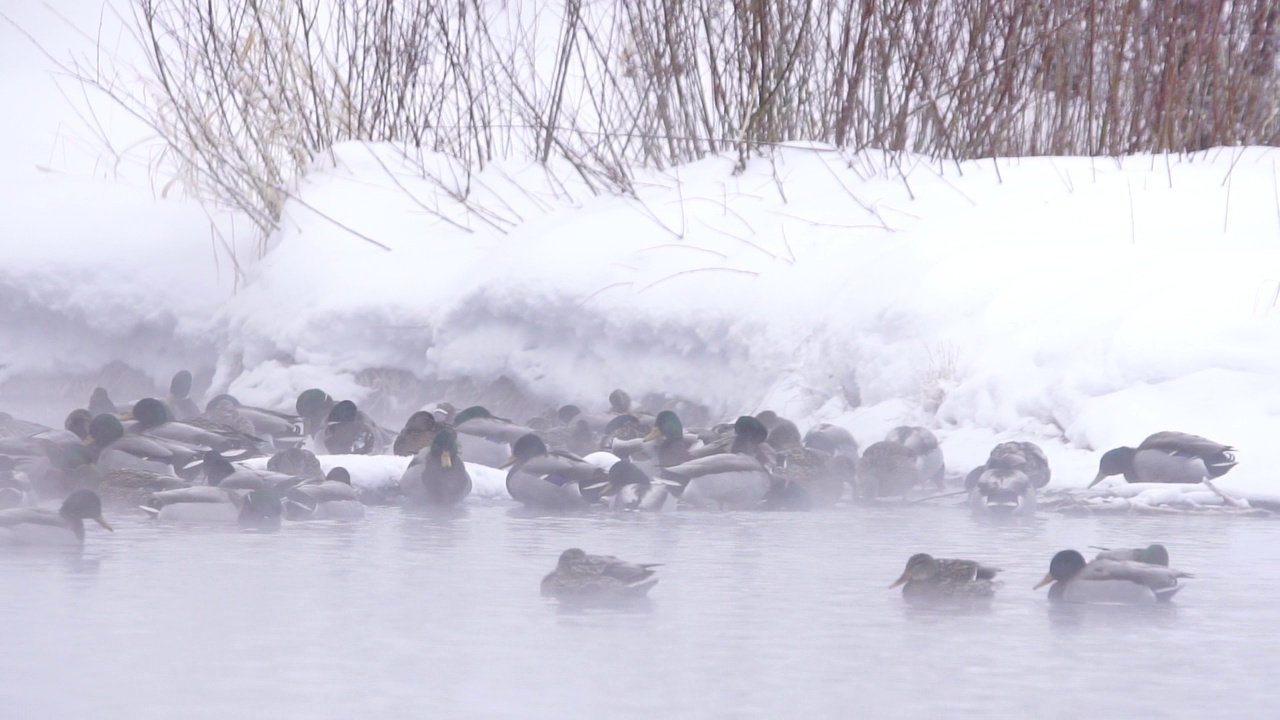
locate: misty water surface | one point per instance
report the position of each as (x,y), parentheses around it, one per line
(757,615)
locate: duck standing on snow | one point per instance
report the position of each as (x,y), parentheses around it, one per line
(552,480)
(1109,581)
(436,476)
(1169,457)
(582,577)
(1006,484)
(42,526)
(927,578)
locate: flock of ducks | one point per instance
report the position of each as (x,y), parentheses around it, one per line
(179,462)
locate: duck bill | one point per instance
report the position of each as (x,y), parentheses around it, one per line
(509,462)
(446,459)
(1048,580)
(654,434)
(900,581)
(1097,480)
(103,522)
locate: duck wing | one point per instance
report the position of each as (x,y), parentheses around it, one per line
(493,429)
(1180,443)
(1156,577)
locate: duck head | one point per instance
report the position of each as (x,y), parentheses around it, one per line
(1117,461)
(445,447)
(1064,566)
(526,448)
(149,412)
(666,425)
(920,566)
(84,505)
(620,401)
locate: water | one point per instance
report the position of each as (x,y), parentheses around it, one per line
(757,615)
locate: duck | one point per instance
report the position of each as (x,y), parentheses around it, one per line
(624,427)
(1154,554)
(181,406)
(887,469)
(313,406)
(298,462)
(220,472)
(921,441)
(810,476)
(487,439)
(333,498)
(132,486)
(724,481)
(577,435)
(152,418)
(927,578)
(43,526)
(348,431)
(1035,463)
(418,433)
(582,577)
(1169,457)
(436,476)
(551,480)
(221,414)
(1109,581)
(1006,484)
(840,445)
(666,445)
(110,448)
(205,504)
(280,428)
(633,490)
(747,435)
(100,402)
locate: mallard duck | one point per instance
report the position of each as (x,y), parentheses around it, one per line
(1034,463)
(840,445)
(1109,581)
(333,498)
(436,475)
(220,472)
(1169,457)
(624,427)
(724,481)
(582,577)
(1006,484)
(552,480)
(132,486)
(42,526)
(203,504)
(222,414)
(887,469)
(804,477)
(181,406)
(282,429)
(922,442)
(1154,554)
(313,406)
(633,490)
(152,418)
(298,462)
(347,431)
(418,433)
(747,435)
(100,403)
(667,444)
(938,579)
(487,439)
(111,448)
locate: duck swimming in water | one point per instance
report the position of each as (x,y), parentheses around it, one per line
(1109,581)
(927,578)
(42,526)
(582,577)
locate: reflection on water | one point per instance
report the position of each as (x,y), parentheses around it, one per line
(765,615)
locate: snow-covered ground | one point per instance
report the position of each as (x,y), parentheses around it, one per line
(1080,303)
